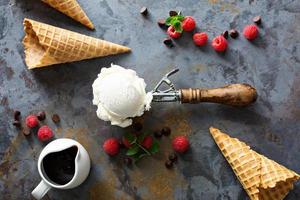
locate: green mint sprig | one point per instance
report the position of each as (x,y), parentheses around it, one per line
(176,22)
(136,150)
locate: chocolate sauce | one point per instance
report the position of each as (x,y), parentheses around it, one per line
(60,166)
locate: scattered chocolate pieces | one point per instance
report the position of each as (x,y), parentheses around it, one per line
(168,42)
(166,131)
(233,33)
(17,123)
(172,157)
(41,115)
(55,118)
(225,34)
(257,20)
(162,23)
(137,126)
(169,164)
(127,161)
(144,11)
(17,114)
(173,13)
(157,134)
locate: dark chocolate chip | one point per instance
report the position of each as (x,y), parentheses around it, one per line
(127,161)
(144,11)
(166,131)
(121,144)
(17,114)
(157,134)
(225,34)
(168,42)
(26,131)
(173,13)
(55,118)
(137,126)
(17,123)
(162,23)
(173,157)
(169,164)
(41,115)
(257,20)
(233,33)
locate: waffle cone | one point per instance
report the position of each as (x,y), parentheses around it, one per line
(262,178)
(48,45)
(72,9)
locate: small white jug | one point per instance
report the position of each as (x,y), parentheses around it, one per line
(82,166)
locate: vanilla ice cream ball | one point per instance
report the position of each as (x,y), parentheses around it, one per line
(120,95)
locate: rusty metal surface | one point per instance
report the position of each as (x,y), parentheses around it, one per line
(271,126)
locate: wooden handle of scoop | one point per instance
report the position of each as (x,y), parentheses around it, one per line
(234,95)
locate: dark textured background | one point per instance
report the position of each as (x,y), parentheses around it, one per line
(270,63)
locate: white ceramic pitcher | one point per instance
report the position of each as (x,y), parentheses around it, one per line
(82,166)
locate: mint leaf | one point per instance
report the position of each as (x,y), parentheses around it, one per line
(133,150)
(138,157)
(154,148)
(168,21)
(141,137)
(131,138)
(180,17)
(177,26)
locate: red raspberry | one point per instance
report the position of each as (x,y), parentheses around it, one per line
(188,24)
(44,133)
(126,142)
(200,39)
(111,146)
(250,32)
(147,142)
(219,43)
(172,33)
(180,144)
(31,121)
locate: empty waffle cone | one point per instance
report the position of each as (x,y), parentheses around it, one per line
(262,178)
(72,9)
(48,45)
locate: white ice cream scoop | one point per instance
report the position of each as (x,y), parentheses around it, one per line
(121,95)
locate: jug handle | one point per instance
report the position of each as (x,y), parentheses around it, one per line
(40,190)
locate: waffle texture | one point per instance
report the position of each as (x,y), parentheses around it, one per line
(262,178)
(72,9)
(48,45)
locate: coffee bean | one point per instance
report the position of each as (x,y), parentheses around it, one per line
(55,118)
(157,134)
(41,115)
(225,34)
(144,11)
(17,123)
(233,33)
(168,42)
(169,164)
(173,157)
(257,20)
(127,161)
(162,23)
(17,114)
(173,13)
(166,131)
(137,126)
(26,131)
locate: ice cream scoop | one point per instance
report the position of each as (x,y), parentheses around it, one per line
(121,95)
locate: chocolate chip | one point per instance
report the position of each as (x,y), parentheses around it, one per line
(169,164)
(233,33)
(257,20)
(166,131)
(157,134)
(173,13)
(17,114)
(55,118)
(168,42)
(162,23)
(121,144)
(173,157)
(225,34)
(26,131)
(137,126)
(127,161)
(144,11)
(17,123)
(41,115)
